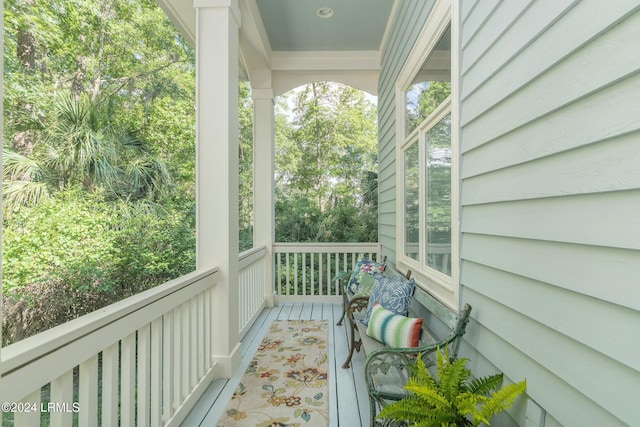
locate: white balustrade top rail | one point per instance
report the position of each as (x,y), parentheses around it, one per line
(250,256)
(367,249)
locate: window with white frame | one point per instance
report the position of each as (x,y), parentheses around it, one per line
(427,169)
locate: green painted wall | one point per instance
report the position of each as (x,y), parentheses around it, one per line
(410,17)
(550,121)
(550,197)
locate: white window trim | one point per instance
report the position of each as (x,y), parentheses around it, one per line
(445,288)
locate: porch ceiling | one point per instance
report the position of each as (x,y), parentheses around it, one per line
(288,38)
(294,25)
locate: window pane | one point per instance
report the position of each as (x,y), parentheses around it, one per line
(438,188)
(412,201)
(431,85)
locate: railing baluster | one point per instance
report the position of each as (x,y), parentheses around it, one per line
(28,418)
(242,295)
(313,276)
(304,273)
(110,385)
(340,266)
(167,365)
(346,262)
(288,273)
(328,275)
(177,357)
(320,273)
(144,375)
(279,272)
(193,345)
(156,384)
(295,272)
(208,329)
(62,394)
(88,393)
(200,325)
(186,348)
(212,330)
(128,380)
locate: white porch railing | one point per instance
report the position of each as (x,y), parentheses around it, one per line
(252,286)
(306,269)
(143,361)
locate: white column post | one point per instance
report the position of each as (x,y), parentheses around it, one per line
(263,170)
(217,28)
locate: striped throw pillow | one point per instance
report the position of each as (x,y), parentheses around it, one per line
(394,330)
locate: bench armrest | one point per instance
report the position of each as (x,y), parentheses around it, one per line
(357,303)
(386,357)
(380,361)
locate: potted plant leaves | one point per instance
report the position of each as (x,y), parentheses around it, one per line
(451,400)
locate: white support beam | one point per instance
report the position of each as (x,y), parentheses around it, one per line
(263,176)
(217,28)
(254,42)
(360,69)
(284,81)
(326,61)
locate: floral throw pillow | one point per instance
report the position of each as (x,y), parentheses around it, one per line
(364,266)
(393,293)
(367,282)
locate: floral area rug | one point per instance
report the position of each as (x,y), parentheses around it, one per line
(286,383)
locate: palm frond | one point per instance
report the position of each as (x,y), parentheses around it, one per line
(149,177)
(19,167)
(128,138)
(23,193)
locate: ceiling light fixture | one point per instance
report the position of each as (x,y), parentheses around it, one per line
(325,12)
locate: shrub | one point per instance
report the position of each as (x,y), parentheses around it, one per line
(75,253)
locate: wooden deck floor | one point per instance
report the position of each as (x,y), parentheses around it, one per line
(349,404)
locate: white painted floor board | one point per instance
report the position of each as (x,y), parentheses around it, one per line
(348,400)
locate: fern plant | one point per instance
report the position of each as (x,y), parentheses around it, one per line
(453,400)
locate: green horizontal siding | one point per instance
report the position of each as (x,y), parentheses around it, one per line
(410,18)
(550,184)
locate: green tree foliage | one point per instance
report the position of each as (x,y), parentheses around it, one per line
(99,157)
(326,160)
(245,192)
(73,253)
(80,146)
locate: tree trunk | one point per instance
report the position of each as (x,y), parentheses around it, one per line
(26,48)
